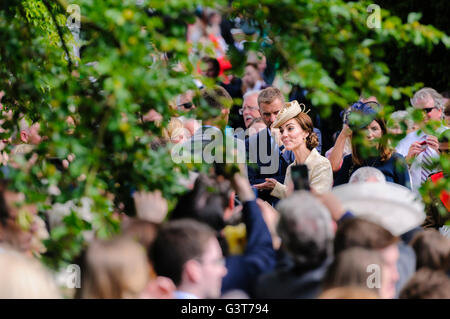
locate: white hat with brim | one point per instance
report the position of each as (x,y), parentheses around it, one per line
(392,206)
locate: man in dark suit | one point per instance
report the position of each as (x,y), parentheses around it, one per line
(305,253)
(266,158)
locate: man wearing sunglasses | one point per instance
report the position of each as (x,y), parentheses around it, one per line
(418,147)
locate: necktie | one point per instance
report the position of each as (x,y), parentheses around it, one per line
(427,162)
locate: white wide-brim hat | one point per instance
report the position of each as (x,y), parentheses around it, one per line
(392,206)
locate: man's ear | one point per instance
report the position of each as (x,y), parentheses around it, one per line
(228,212)
(192,271)
(24,136)
(159,288)
(165,286)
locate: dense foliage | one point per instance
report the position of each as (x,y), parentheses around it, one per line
(134,57)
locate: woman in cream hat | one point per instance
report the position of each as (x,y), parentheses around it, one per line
(297,135)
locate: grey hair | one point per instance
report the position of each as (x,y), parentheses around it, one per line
(362,174)
(402,116)
(399,115)
(305,229)
(250,93)
(428,93)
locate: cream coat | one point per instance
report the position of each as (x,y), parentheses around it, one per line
(320,175)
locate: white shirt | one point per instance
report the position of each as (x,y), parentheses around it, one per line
(415,170)
(178,294)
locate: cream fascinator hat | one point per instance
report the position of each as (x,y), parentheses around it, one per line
(289,111)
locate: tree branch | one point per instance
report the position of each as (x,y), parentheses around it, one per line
(60,33)
(89,24)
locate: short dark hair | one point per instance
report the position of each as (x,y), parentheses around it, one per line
(427,284)
(358,232)
(432,250)
(215,63)
(176,243)
(217,97)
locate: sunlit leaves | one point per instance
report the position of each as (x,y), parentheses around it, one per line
(135,58)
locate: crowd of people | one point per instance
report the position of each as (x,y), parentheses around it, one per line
(290,220)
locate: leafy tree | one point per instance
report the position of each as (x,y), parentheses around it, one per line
(134,58)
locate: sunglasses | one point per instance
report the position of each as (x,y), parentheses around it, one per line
(251,108)
(428,109)
(186,105)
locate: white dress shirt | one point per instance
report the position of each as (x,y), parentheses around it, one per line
(178,294)
(415,170)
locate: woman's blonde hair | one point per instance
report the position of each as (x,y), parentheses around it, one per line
(116,268)
(348,292)
(349,268)
(23,277)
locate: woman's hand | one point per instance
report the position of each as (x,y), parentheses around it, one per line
(334,205)
(414,150)
(268,184)
(242,187)
(346,131)
(150,206)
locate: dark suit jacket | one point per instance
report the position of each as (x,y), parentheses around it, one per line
(291,282)
(266,160)
(259,256)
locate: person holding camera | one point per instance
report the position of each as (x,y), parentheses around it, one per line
(297,135)
(419,148)
(342,146)
(370,147)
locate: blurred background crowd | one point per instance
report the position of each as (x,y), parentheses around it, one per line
(340,215)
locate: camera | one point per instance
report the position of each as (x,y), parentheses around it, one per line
(360,114)
(186,105)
